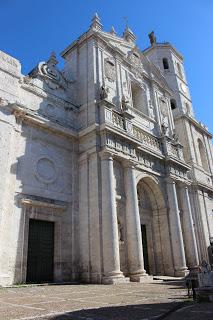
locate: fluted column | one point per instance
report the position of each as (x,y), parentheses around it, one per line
(133,226)
(188,228)
(111,258)
(176,231)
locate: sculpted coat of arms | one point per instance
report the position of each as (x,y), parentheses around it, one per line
(110,70)
(135,60)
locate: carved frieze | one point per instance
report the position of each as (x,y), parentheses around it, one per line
(120,145)
(177,171)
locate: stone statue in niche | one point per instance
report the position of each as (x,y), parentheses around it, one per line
(165,126)
(175,137)
(151,110)
(163,107)
(124,103)
(103,92)
(110,70)
(164,112)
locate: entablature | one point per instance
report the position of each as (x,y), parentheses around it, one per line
(142,158)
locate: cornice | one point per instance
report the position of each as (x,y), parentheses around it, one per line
(13,74)
(164,45)
(195,123)
(49,96)
(37,203)
(24,114)
(202,185)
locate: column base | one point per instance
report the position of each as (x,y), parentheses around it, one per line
(5,280)
(115,279)
(181,272)
(141,278)
(194,269)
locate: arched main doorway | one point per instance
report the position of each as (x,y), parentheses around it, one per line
(154,227)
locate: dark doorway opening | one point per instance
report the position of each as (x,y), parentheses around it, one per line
(145,248)
(40,251)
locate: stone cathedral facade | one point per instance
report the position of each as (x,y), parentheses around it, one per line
(106,175)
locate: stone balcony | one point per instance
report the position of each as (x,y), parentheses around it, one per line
(123,124)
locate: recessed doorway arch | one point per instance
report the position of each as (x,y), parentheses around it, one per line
(154,226)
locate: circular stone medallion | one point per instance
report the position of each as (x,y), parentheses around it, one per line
(45,170)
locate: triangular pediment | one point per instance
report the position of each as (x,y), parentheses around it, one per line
(117,42)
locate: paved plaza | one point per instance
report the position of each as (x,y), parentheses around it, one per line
(135,301)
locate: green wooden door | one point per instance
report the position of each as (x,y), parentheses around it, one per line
(40,251)
(145,248)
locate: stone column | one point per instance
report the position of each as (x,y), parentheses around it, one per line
(188,228)
(111,258)
(133,227)
(179,259)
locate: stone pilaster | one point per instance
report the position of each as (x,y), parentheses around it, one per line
(176,231)
(188,228)
(111,258)
(133,226)
(84,220)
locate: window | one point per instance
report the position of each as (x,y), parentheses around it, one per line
(202,153)
(173,104)
(165,64)
(179,70)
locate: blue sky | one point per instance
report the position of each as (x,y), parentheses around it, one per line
(31,29)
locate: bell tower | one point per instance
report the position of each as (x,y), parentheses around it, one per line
(170,62)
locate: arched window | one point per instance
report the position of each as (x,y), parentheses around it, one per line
(165,63)
(202,153)
(173,104)
(179,70)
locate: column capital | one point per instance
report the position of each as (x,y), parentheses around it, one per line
(129,164)
(106,155)
(184,184)
(170,180)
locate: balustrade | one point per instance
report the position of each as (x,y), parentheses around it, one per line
(120,122)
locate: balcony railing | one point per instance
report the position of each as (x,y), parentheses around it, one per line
(164,145)
(126,125)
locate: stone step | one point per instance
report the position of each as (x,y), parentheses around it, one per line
(168,278)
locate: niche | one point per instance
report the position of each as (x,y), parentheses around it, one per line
(139,98)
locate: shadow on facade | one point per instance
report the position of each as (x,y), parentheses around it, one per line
(41,183)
